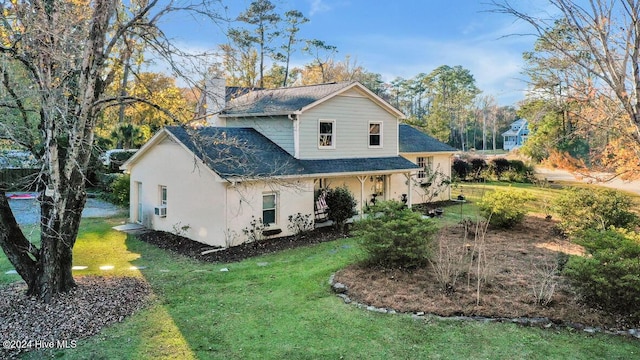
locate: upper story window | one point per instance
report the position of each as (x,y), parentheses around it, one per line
(375,134)
(327,134)
(269,202)
(426,165)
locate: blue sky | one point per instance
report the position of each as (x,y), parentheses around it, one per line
(399,38)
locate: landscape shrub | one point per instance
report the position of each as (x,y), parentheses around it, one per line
(300,224)
(461,168)
(116,188)
(478,167)
(609,277)
(119,190)
(498,166)
(341,204)
(504,208)
(394,236)
(517,165)
(593,208)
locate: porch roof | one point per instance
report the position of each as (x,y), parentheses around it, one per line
(359,165)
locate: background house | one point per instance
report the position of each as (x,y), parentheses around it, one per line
(516,135)
(269,154)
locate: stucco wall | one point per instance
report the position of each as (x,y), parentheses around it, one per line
(195,196)
(352,113)
(441,163)
(244,201)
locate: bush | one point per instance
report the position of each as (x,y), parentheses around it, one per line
(504,208)
(300,224)
(610,277)
(394,236)
(593,208)
(498,166)
(460,168)
(119,190)
(478,166)
(341,206)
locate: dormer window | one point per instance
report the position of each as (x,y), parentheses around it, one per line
(326,134)
(375,134)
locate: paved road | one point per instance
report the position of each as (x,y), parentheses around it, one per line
(563,175)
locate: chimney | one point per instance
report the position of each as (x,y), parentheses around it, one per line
(214,99)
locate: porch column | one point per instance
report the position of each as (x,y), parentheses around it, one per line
(409,189)
(362,179)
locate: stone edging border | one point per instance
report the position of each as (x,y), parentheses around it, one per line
(341,291)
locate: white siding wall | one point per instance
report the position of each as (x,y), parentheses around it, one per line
(278,129)
(195,198)
(245,201)
(352,112)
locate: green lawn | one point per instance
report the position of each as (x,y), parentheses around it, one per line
(280,307)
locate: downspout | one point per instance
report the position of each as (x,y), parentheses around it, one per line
(296,134)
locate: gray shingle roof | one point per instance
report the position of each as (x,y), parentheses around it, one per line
(357,165)
(413,140)
(244,152)
(281,101)
(237,152)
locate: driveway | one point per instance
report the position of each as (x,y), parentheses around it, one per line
(27,211)
(564,175)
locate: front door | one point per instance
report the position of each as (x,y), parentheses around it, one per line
(138,217)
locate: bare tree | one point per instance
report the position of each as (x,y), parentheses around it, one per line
(606,39)
(57,61)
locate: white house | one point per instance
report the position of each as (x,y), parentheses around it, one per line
(268,154)
(516,136)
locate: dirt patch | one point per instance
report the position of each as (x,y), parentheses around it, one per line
(519,267)
(194,249)
(27,323)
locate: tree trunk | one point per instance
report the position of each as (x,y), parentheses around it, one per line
(47,270)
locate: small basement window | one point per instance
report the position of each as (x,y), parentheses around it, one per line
(269,203)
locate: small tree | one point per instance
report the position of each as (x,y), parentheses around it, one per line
(341,206)
(434,183)
(394,236)
(504,208)
(610,276)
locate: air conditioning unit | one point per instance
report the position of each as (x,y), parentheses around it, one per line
(160,211)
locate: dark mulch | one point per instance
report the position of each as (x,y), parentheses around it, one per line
(28,324)
(194,249)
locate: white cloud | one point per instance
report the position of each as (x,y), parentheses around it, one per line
(318,6)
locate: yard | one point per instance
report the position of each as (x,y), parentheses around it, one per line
(280,306)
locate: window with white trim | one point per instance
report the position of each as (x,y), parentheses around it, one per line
(326,134)
(163,195)
(375,134)
(269,208)
(426,166)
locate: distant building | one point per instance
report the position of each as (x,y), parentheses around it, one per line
(516,136)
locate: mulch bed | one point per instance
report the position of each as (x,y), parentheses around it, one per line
(517,260)
(27,324)
(194,249)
